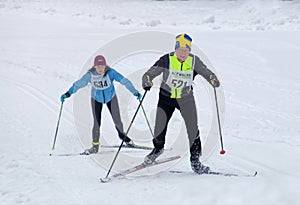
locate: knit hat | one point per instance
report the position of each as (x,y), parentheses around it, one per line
(99,60)
(183,40)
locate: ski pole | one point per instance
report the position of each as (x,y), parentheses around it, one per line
(58,121)
(147,120)
(221,140)
(113,162)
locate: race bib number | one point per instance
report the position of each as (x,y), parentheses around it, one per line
(99,82)
(180,79)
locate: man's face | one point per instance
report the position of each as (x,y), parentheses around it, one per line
(182,53)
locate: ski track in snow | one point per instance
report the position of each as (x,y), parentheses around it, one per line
(45,100)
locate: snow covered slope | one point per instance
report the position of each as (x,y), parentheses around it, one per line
(255,48)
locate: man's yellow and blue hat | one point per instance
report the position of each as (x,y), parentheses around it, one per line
(183,40)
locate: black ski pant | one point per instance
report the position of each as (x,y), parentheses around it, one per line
(114,110)
(165,108)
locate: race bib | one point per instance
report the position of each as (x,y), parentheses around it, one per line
(180,79)
(99,82)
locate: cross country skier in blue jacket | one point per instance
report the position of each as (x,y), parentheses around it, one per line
(101,77)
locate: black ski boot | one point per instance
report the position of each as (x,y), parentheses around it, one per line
(199,168)
(151,157)
(130,144)
(93,150)
(196,165)
(127,140)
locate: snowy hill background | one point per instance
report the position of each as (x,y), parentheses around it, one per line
(255,47)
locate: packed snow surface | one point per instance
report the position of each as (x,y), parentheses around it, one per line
(254,47)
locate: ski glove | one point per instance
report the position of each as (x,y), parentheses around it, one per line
(64,96)
(214,80)
(147,83)
(138,96)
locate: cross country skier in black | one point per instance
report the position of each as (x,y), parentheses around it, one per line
(179,69)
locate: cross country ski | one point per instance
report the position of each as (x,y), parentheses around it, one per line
(226,174)
(135,146)
(138,168)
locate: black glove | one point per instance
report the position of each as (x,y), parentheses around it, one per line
(147,88)
(147,83)
(64,96)
(214,80)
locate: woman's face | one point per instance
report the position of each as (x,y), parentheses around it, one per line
(100,69)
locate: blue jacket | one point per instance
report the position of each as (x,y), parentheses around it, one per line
(103,89)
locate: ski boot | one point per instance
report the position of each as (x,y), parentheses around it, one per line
(196,165)
(93,150)
(130,144)
(151,157)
